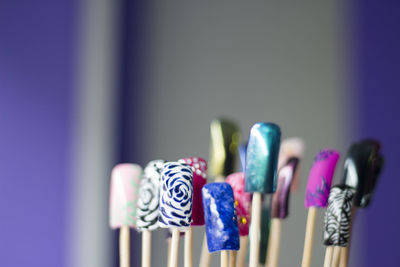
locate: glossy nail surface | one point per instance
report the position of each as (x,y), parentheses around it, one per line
(293,147)
(225,138)
(124,191)
(149,196)
(320,178)
(337,218)
(242,156)
(262,158)
(220,216)
(362,167)
(242,201)
(176,195)
(199,169)
(280,199)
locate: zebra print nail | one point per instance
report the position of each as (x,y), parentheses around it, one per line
(338,216)
(149,196)
(176,194)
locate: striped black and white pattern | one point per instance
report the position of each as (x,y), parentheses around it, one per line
(338,216)
(176,195)
(149,196)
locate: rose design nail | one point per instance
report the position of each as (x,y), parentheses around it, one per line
(176,195)
(149,196)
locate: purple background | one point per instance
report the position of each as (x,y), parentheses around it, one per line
(36,77)
(377,63)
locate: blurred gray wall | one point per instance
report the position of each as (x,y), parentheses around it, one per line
(258,61)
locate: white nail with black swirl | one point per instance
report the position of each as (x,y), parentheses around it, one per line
(176,194)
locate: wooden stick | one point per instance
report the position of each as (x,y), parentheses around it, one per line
(344,256)
(254,230)
(232,258)
(274,243)
(188,259)
(309,238)
(224,258)
(242,255)
(174,248)
(124,256)
(336,256)
(205,256)
(146,248)
(344,251)
(328,256)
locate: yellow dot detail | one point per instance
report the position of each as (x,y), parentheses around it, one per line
(236,203)
(243,220)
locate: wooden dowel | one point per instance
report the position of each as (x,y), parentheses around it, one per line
(328,256)
(242,254)
(146,248)
(205,256)
(309,237)
(344,256)
(124,256)
(232,258)
(174,248)
(274,243)
(254,230)
(188,256)
(336,256)
(344,251)
(224,258)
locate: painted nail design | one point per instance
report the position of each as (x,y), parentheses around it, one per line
(225,138)
(262,158)
(320,178)
(362,167)
(280,199)
(338,216)
(292,148)
(242,156)
(199,169)
(125,179)
(220,216)
(242,201)
(149,196)
(176,195)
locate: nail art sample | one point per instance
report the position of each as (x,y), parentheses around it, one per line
(225,138)
(262,158)
(220,216)
(199,169)
(124,191)
(242,156)
(176,195)
(337,218)
(280,199)
(320,178)
(149,196)
(292,148)
(362,167)
(242,201)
